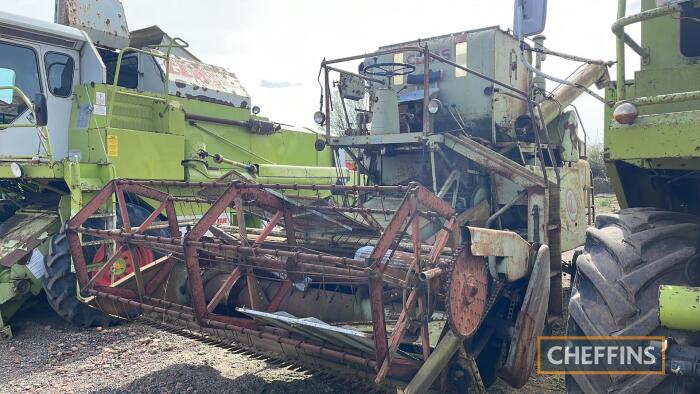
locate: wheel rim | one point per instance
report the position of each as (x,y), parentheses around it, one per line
(123,266)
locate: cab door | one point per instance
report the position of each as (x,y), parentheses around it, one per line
(19,67)
(36,69)
(61,78)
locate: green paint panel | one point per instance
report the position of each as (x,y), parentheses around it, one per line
(679,307)
(665,136)
(143,155)
(673,135)
(33,170)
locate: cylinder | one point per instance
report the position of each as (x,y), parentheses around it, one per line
(430,274)
(565,95)
(539,81)
(435,364)
(385,117)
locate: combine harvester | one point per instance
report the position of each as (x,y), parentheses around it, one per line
(639,273)
(438,268)
(87,101)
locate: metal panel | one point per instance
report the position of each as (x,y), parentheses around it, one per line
(37,30)
(575,181)
(134,155)
(23,232)
(205,82)
(678,307)
(103,20)
(660,136)
(316,329)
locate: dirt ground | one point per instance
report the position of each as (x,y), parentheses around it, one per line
(49,356)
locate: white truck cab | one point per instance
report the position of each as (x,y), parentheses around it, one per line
(41,58)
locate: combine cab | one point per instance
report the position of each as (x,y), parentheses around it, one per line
(436,270)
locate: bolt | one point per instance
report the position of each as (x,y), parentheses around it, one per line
(22,286)
(471,288)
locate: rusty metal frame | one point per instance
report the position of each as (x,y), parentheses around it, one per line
(104,197)
(418,203)
(407,212)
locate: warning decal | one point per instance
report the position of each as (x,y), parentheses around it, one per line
(112,145)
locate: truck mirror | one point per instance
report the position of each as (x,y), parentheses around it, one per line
(7,79)
(530,17)
(40,110)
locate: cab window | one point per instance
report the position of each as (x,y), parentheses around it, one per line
(690,31)
(129,70)
(18,67)
(399,79)
(461,58)
(59,73)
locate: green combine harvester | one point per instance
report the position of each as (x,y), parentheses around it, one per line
(84,101)
(634,274)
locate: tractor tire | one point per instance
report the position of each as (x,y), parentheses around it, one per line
(615,291)
(61,288)
(60,283)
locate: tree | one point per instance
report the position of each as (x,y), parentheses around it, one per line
(596,160)
(338,120)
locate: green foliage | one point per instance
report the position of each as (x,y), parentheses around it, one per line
(595,158)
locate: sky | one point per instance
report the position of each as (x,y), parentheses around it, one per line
(275,46)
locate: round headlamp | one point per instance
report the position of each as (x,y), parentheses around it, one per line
(16,170)
(319,117)
(434,106)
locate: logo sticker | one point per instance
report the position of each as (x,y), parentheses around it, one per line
(579,355)
(571,205)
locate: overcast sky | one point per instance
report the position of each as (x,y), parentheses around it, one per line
(275,46)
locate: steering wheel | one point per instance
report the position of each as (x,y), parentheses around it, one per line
(389,69)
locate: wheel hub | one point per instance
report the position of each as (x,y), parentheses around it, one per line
(124,265)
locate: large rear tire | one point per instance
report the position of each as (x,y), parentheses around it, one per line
(615,291)
(60,286)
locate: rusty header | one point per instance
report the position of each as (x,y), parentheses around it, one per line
(215,260)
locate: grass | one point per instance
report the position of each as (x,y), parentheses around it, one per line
(606,203)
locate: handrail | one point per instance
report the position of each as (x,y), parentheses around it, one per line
(176,42)
(325,66)
(43,132)
(618,28)
(404,49)
(26,102)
